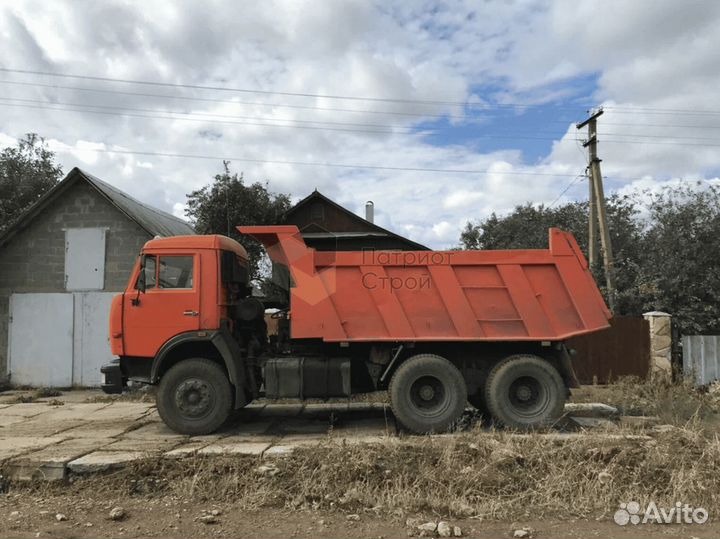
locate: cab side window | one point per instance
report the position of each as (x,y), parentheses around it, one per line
(150,272)
(176,272)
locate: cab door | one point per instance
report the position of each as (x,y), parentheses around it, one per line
(170,304)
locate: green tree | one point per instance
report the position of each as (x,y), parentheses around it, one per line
(228,202)
(27,171)
(682,266)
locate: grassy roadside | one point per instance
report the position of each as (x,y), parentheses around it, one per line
(673,403)
(493,475)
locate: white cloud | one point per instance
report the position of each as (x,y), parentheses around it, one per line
(462,199)
(652,55)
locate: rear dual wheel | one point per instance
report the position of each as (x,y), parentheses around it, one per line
(525,392)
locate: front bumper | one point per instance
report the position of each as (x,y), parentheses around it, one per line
(112,377)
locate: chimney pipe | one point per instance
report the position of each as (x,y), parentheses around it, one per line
(370,211)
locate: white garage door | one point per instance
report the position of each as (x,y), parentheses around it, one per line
(41,339)
(92,344)
(59,340)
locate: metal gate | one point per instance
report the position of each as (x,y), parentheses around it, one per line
(58,340)
(91,346)
(41,340)
(621,350)
(701,358)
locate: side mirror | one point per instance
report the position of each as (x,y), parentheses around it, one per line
(141,285)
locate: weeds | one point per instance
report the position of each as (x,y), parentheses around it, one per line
(39,393)
(495,475)
(141,393)
(674,403)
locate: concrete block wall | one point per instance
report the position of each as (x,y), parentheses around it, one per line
(34,259)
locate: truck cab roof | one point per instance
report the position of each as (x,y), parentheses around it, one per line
(210,241)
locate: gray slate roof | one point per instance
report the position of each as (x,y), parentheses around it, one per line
(153,221)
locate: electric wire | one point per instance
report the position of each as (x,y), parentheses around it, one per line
(313,164)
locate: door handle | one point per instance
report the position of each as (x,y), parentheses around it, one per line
(190,313)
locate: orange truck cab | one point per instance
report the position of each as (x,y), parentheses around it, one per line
(434,329)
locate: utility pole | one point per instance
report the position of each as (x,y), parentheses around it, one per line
(597,210)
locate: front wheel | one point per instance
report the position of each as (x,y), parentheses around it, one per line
(427,394)
(525,392)
(194,397)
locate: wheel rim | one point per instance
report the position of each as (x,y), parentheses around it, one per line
(194,398)
(429,396)
(528,396)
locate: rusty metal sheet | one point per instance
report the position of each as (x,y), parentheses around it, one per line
(623,349)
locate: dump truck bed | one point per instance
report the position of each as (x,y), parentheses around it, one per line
(518,295)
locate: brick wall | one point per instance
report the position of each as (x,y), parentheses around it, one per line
(34,259)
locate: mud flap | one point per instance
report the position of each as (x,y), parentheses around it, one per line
(566,368)
(232,355)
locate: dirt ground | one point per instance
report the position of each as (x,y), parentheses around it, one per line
(87,518)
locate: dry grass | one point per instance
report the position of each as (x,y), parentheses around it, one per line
(494,475)
(39,393)
(139,393)
(674,403)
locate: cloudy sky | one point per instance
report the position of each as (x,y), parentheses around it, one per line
(487,89)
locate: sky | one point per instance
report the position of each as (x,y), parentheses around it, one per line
(438,112)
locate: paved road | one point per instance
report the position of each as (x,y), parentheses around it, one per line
(46,440)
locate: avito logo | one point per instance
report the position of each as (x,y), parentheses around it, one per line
(680,513)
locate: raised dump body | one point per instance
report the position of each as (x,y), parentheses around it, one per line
(518,295)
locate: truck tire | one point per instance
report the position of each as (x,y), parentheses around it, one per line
(194,397)
(525,392)
(427,394)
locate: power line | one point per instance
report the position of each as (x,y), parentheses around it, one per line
(234,102)
(389,127)
(617,109)
(157,117)
(567,188)
(670,143)
(663,125)
(232,89)
(642,135)
(265,118)
(319,108)
(312,164)
(282,93)
(421,132)
(202,113)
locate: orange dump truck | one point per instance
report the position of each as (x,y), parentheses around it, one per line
(436,329)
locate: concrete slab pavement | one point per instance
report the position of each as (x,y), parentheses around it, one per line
(14,446)
(42,441)
(99,461)
(235,448)
(50,462)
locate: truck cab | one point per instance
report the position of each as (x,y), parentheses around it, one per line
(188,298)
